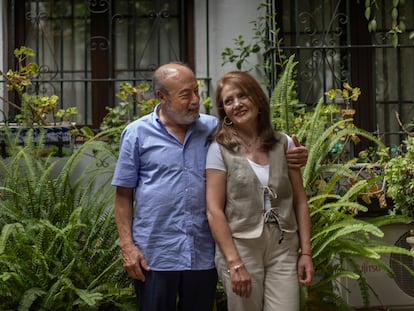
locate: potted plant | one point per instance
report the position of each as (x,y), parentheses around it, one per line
(399,175)
(339,236)
(38,115)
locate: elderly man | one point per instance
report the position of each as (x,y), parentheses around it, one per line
(165,239)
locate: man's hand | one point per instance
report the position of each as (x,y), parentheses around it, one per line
(134,262)
(298,156)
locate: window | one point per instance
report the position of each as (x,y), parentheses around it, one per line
(86,48)
(331,41)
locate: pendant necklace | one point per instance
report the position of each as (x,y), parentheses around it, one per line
(252,142)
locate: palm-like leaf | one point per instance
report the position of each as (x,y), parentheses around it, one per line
(58,242)
(339,238)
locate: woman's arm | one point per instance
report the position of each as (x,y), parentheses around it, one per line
(216,200)
(300,204)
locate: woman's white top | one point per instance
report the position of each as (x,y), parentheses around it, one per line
(215,161)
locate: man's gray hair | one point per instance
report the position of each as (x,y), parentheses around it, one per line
(162,73)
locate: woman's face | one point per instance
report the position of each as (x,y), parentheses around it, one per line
(238,107)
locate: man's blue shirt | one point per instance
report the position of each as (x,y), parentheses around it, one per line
(170,224)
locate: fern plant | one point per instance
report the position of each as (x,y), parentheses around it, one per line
(58,240)
(284,103)
(339,238)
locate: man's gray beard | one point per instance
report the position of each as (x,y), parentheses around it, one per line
(184,119)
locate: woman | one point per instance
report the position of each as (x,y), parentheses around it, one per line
(256,205)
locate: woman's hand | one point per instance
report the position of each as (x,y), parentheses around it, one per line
(305,270)
(240,280)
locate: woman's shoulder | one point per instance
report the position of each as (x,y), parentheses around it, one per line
(214,145)
(283,137)
(214,157)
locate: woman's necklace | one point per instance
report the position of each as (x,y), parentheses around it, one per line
(250,144)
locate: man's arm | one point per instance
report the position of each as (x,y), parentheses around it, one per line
(298,156)
(133,258)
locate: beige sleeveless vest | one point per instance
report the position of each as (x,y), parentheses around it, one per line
(245,194)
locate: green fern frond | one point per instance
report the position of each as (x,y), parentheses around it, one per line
(380,221)
(29,297)
(283,101)
(87,297)
(7,231)
(341,230)
(390,249)
(67,242)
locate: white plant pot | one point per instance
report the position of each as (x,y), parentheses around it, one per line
(57,139)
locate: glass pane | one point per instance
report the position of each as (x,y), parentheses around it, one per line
(147,34)
(318,29)
(57,33)
(328,44)
(85,48)
(393,72)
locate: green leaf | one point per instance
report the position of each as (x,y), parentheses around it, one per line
(368,13)
(29,297)
(90,298)
(7,231)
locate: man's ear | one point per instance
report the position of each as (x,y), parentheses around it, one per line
(161,96)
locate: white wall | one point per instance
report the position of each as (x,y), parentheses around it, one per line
(227,20)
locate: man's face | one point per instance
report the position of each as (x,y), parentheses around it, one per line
(181,102)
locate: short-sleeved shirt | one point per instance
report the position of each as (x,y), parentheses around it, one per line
(170,224)
(215,159)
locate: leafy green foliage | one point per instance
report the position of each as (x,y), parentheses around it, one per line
(339,238)
(399,175)
(136,98)
(265,45)
(135,102)
(284,104)
(58,241)
(396,13)
(34,109)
